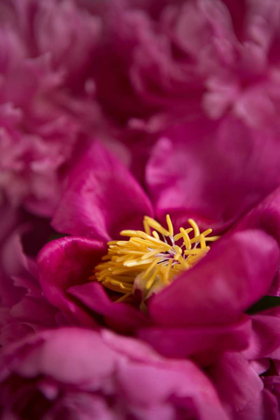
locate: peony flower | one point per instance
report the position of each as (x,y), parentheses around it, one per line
(101,375)
(180,258)
(177,60)
(197,308)
(42,123)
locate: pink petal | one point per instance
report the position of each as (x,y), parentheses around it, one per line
(237,383)
(121,317)
(64,263)
(102,198)
(237,272)
(203,344)
(207,171)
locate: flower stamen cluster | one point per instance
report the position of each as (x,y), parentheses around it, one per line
(155,256)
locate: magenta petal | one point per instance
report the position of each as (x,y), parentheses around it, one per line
(208,170)
(70,365)
(202,343)
(264,216)
(265,336)
(237,272)
(65,355)
(17,271)
(8,220)
(15,331)
(165,379)
(68,33)
(102,198)
(64,263)
(36,311)
(237,383)
(120,316)
(270,406)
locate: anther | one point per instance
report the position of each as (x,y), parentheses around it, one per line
(155,262)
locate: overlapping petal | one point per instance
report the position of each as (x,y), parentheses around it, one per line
(239,387)
(102,198)
(96,367)
(24,309)
(117,315)
(208,171)
(64,263)
(204,344)
(236,274)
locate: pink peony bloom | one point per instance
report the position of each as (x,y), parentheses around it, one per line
(101,375)
(200,314)
(43,113)
(177,60)
(204,74)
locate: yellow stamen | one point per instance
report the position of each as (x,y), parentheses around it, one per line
(180,235)
(194,226)
(202,242)
(178,251)
(195,251)
(170,226)
(167,271)
(122,298)
(205,233)
(151,259)
(154,224)
(155,234)
(147,227)
(149,269)
(212,238)
(152,278)
(186,238)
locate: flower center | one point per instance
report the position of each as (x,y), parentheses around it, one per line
(151,260)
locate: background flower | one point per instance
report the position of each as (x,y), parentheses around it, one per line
(43,114)
(100,375)
(177,60)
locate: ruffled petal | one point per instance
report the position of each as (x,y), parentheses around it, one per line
(207,171)
(203,344)
(121,317)
(238,384)
(102,198)
(73,362)
(236,273)
(64,263)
